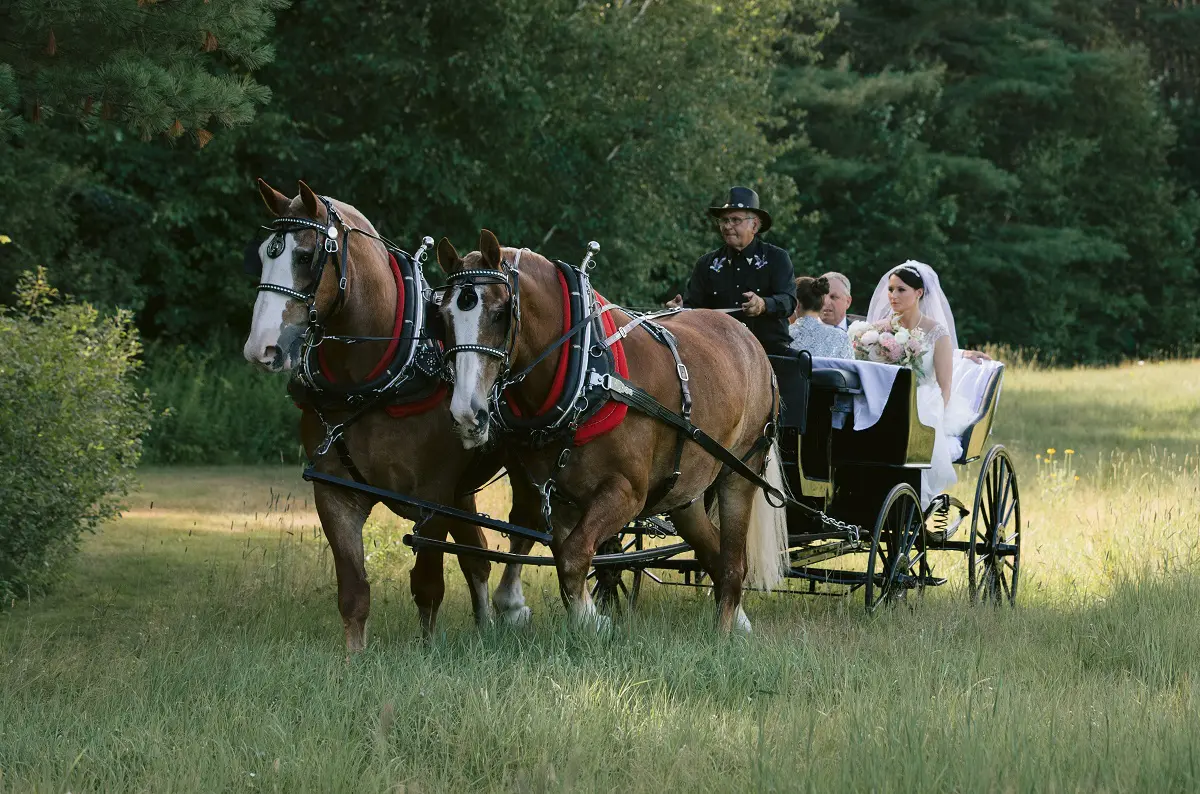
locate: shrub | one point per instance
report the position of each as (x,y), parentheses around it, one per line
(210,406)
(71,421)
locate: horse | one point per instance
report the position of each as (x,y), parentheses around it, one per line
(504,310)
(334,307)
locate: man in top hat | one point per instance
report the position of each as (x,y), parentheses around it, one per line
(745,274)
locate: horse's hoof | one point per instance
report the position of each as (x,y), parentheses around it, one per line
(742,623)
(594,622)
(518,618)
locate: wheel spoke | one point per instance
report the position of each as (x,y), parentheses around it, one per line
(1000,505)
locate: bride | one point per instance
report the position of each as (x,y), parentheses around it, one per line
(912,295)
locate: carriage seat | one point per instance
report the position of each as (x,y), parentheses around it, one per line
(793,374)
(837,380)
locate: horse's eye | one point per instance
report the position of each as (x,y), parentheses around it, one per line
(304,257)
(497,314)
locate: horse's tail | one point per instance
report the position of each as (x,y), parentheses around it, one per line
(766,538)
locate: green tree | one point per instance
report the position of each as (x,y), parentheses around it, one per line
(1019,148)
(155,67)
(549,121)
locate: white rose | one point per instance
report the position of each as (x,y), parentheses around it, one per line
(902,336)
(858,328)
(870,337)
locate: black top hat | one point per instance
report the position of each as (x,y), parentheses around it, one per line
(743,198)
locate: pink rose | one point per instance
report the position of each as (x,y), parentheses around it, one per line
(892,349)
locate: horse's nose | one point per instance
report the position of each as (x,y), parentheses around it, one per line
(267,357)
(472,415)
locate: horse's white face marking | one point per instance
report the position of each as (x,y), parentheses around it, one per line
(470,397)
(262,346)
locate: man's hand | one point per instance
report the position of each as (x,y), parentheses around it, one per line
(754,305)
(674,303)
(976,356)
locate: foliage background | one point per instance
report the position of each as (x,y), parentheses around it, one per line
(1044,155)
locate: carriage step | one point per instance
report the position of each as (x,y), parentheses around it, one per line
(943,518)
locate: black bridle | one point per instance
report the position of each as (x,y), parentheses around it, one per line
(509,277)
(327,246)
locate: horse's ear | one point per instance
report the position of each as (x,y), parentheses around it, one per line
(447,258)
(276,202)
(309,199)
(489,247)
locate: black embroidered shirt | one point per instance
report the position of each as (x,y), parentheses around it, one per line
(721,276)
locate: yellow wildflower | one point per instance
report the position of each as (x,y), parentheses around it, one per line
(1051,451)
(5,239)
(1069,451)
(1076,478)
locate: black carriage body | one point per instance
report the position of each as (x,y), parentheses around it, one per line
(845,473)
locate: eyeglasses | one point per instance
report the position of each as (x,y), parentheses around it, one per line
(723,222)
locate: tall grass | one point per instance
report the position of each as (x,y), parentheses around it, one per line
(213,407)
(198,648)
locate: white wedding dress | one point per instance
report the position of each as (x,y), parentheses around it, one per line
(947,423)
(931,410)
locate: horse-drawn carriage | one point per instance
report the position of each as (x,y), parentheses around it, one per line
(818,462)
(862,483)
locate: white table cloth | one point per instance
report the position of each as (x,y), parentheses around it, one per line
(877,381)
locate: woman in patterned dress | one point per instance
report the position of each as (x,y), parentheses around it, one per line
(807,330)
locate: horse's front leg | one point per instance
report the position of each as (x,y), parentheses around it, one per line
(615,505)
(342,515)
(428,583)
(509,598)
(477,570)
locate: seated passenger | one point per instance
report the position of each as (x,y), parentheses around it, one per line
(807,330)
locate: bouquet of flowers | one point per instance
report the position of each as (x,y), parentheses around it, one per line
(889,343)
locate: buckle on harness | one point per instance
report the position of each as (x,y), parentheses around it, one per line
(331,245)
(332,434)
(683,373)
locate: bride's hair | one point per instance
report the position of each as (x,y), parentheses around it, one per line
(910,276)
(811,292)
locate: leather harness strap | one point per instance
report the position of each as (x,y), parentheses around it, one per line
(638,399)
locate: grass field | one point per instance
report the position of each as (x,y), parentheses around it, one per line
(197,647)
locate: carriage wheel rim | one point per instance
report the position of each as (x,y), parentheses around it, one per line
(993,576)
(892,557)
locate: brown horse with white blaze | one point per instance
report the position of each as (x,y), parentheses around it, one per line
(503,308)
(355,293)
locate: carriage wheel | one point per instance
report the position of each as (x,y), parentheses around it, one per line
(994,556)
(614,587)
(897,561)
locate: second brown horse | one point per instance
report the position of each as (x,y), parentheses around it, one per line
(608,481)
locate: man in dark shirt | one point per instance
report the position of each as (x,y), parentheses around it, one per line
(745,273)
